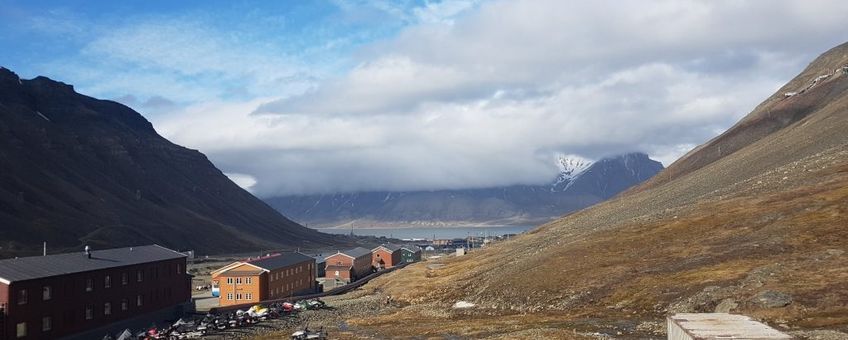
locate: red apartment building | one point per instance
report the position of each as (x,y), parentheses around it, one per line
(267,278)
(349,265)
(46,297)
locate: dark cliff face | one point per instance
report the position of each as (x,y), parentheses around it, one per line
(517,204)
(76,170)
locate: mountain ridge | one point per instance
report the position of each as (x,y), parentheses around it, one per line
(77,170)
(580,183)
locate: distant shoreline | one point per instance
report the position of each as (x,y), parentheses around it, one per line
(412,226)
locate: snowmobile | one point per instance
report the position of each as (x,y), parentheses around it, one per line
(258,312)
(305,334)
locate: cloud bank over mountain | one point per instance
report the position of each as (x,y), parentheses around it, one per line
(453,94)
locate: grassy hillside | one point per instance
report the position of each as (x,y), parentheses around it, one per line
(754,222)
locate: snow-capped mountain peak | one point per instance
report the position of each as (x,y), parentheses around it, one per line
(570,166)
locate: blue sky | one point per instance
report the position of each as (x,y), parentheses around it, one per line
(293,97)
(197,47)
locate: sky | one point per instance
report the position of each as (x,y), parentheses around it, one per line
(304,97)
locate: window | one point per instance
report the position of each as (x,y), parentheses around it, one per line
(21,329)
(107,281)
(238,280)
(124,279)
(22,297)
(249,296)
(230,296)
(249,280)
(138,300)
(139,276)
(46,293)
(89,285)
(125,305)
(46,324)
(89,312)
(229,280)
(238,296)
(179,268)
(107,308)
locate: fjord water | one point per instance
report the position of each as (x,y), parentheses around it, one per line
(428,233)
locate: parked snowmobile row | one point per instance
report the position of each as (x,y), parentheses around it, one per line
(216,322)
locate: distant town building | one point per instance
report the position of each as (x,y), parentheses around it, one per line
(46,297)
(715,326)
(385,256)
(349,265)
(271,277)
(410,253)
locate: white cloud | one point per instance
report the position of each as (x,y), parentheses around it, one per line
(246,182)
(471,94)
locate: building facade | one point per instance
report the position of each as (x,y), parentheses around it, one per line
(272,277)
(348,265)
(385,256)
(410,253)
(53,296)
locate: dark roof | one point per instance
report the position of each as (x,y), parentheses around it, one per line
(391,247)
(319,259)
(411,248)
(355,252)
(281,260)
(36,267)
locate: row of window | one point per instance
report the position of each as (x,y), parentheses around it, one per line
(289,272)
(46,326)
(47,291)
(287,288)
(239,280)
(240,296)
(47,321)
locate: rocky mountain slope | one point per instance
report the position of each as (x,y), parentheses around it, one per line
(580,183)
(75,170)
(752,222)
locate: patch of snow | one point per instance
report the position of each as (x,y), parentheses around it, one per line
(463,304)
(570,167)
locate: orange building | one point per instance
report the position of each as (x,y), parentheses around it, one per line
(349,265)
(267,278)
(385,256)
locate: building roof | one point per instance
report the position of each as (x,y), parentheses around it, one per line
(281,260)
(36,267)
(388,246)
(411,248)
(355,252)
(724,326)
(241,273)
(319,259)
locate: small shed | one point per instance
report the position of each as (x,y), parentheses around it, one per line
(460,251)
(714,326)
